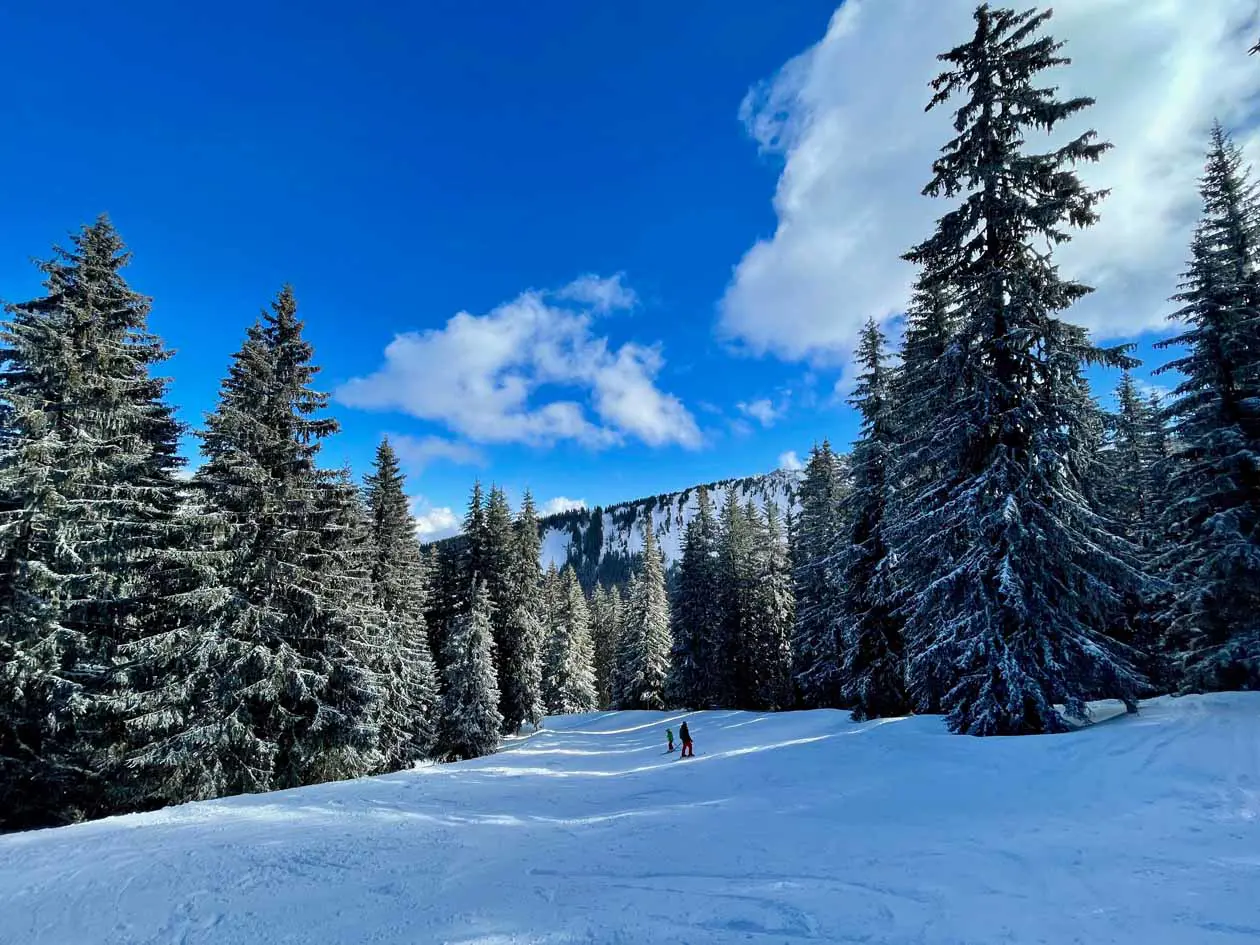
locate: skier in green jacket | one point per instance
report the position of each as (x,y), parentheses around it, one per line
(669,733)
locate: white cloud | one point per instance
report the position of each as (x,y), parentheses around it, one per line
(790,461)
(418,452)
(602,295)
(763,411)
(483,376)
(848,117)
(561,504)
(434,522)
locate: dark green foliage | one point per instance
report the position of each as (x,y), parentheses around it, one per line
(873,660)
(1012,572)
(696,611)
(1214,518)
(88,520)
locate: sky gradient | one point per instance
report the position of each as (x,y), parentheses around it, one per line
(599,250)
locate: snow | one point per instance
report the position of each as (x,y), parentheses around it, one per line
(783,828)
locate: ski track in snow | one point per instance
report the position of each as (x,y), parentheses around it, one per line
(790,828)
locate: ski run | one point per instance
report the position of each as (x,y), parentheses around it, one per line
(785,828)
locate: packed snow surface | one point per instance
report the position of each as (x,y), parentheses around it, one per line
(783,828)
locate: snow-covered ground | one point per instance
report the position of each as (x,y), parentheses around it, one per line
(784,828)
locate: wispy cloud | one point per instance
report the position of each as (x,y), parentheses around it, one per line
(418,452)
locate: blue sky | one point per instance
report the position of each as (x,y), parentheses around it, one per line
(402,163)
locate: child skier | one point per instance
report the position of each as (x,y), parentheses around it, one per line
(669,733)
(685,734)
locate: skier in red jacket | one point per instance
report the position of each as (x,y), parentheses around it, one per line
(685,734)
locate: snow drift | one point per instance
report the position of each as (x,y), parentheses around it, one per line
(784,828)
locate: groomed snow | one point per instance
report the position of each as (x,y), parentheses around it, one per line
(784,828)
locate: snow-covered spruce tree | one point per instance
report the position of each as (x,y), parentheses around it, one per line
(873,648)
(643,651)
(88,515)
(768,646)
(696,611)
(732,670)
(620,658)
(1012,573)
(498,551)
(569,674)
(471,723)
(401,659)
(818,531)
(283,697)
(1214,520)
(524,636)
(1129,474)
(606,619)
(446,593)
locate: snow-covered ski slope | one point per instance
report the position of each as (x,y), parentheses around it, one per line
(783,829)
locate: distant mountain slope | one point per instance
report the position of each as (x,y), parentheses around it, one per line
(601,542)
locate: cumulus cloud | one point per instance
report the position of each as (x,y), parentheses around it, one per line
(561,504)
(434,522)
(790,461)
(488,377)
(847,117)
(417,452)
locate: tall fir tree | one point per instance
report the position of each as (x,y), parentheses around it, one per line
(401,659)
(644,648)
(606,620)
(1214,519)
(88,522)
(276,692)
(768,646)
(873,651)
(1013,573)
(819,526)
(696,610)
(498,553)
(524,634)
(471,723)
(569,675)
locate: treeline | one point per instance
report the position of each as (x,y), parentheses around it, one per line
(260,625)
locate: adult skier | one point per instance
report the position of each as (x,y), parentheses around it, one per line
(685,734)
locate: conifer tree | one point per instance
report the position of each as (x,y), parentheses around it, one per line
(873,652)
(696,612)
(498,553)
(471,723)
(1013,573)
(88,519)
(815,644)
(731,668)
(769,653)
(280,693)
(524,634)
(1214,521)
(445,596)
(644,648)
(606,620)
(402,659)
(569,677)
